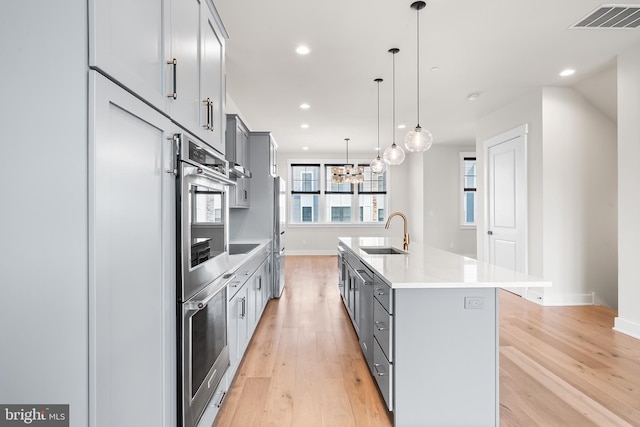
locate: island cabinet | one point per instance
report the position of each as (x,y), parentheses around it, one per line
(176,63)
(427,322)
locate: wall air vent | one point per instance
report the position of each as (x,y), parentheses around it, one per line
(611,16)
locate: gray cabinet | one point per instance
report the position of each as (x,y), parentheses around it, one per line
(132,296)
(237,143)
(239,194)
(237,328)
(237,154)
(246,294)
(175,61)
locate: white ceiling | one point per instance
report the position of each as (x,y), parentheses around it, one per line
(497,48)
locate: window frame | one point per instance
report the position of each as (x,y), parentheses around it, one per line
(467,155)
(323,195)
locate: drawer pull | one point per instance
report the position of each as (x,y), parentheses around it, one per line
(378,327)
(378,371)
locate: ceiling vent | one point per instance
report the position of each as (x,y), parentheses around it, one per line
(611,16)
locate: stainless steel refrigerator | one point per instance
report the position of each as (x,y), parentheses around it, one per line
(279,202)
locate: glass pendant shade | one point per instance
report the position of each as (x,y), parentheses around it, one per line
(418,140)
(393,155)
(378,166)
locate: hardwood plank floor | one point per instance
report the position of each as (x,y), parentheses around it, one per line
(559,366)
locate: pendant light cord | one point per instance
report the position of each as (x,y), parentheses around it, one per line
(393,137)
(378,118)
(418,64)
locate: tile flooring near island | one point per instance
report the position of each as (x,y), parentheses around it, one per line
(559,366)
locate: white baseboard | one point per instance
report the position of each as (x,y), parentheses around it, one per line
(627,327)
(538,296)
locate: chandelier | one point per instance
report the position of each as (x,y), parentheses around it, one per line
(349,173)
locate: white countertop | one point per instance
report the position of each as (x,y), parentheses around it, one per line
(427,267)
(235,261)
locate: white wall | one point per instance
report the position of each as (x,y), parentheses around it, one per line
(580,200)
(628,320)
(526,109)
(571,193)
(442,200)
(43,182)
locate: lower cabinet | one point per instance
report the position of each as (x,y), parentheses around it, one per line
(237,328)
(247,299)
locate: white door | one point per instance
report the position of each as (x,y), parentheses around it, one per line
(506,201)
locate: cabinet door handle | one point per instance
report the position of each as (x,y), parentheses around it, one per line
(245,195)
(380,373)
(211,115)
(174,63)
(378,327)
(243,311)
(207,104)
(219,404)
(259,283)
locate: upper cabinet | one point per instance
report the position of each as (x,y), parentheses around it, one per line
(176,64)
(237,146)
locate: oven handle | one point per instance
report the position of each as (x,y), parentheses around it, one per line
(203,172)
(199,305)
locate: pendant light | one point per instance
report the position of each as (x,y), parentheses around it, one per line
(394,155)
(418,139)
(378,166)
(350,173)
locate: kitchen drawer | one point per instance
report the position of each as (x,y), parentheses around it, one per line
(382,292)
(382,324)
(245,270)
(382,372)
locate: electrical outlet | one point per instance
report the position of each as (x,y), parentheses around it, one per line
(474,302)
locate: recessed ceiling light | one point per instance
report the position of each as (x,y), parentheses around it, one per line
(305,106)
(473,96)
(302,50)
(402,126)
(568,72)
(305,148)
(435,68)
(304,126)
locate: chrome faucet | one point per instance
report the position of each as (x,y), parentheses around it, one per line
(405,239)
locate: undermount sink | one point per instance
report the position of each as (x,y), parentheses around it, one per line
(242,248)
(383,250)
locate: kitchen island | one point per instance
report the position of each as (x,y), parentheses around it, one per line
(427,322)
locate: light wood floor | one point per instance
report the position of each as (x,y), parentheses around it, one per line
(559,366)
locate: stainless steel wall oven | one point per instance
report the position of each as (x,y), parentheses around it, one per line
(202,234)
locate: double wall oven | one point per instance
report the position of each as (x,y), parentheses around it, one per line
(203,259)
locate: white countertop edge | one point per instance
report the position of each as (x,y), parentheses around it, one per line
(461,285)
(425,267)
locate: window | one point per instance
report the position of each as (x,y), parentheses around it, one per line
(469,182)
(315,199)
(305,191)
